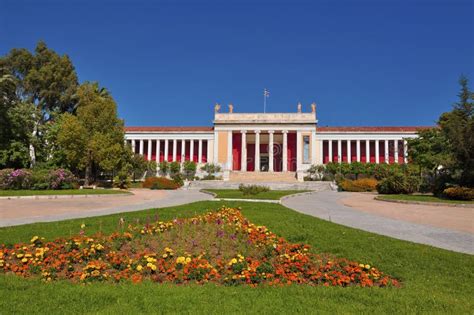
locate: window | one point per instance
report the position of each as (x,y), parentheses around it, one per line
(306,159)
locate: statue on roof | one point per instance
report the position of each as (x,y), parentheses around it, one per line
(217,108)
(231,108)
(313,108)
(299,107)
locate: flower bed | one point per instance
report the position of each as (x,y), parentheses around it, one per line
(221,247)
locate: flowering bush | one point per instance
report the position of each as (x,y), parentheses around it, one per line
(160,183)
(359,185)
(221,247)
(36,179)
(459,193)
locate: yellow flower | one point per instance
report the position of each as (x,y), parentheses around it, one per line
(361,265)
(367,266)
(165,255)
(83,225)
(139,268)
(34,239)
(24,260)
(153,267)
(232,261)
(188,260)
(95,273)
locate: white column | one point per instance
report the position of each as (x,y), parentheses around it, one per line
(257,151)
(229,150)
(157,157)
(208,156)
(141,147)
(367,151)
(299,151)
(339,151)
(165,158)
(349,153)
(149,149)
(200,151)
(358,150)
(191,150)
(285,151)
(216,147)
(270,151)
(183,150)
(321,152)
(330,150)
(405,151)
(377,159)
(244,151)
(313,147)
(395,147)
(386,153)
(134,146)
(175,149)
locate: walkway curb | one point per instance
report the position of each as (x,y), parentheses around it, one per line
(63,196)
(436,204)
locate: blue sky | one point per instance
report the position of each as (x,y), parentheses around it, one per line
(167,62)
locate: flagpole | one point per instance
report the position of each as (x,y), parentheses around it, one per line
(264,101)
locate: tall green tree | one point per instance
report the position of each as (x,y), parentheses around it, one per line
(94,137)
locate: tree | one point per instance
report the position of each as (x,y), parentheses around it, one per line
(94,138)
(457,126)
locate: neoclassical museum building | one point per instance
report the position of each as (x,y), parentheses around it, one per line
(270,142)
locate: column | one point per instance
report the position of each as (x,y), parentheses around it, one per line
(367,151)
(149,149)
(165,158)
(208,156)
(216,147)
(183,150)
(244,151)
(313,147)
(321,152)
(330,150)
(285,151)
(405,151)
(141,147)
(299,150)
(339,151)
(349,153)
(200,151)
(377,160)
(358,150)
(229,150)
(157,157)
(134,146)
(395,148)
(270,150)
(386,151)
(175,145)
(257,151)
(191,150)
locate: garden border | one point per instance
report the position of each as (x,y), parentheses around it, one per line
(425,203)
(278,201)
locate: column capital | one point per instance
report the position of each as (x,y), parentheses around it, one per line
(257,131)
(271,131)
(284,131)
(243,131)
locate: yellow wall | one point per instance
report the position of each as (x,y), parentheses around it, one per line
(222,150)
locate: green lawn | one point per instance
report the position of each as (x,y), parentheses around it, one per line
(434,280)
(14,193)
(237,194)
(423,198)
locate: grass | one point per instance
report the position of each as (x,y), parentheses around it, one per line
(15,193)
(237,194)
(434,280)
(423,198)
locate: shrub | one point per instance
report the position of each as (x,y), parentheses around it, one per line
(252,189)
(174,168)
(359,185)
(61,179)
(122,180)
(40,179)
(398,184)
(189,170)
(211,169)
(459,193)
(164,168)
(19,179)
(160,183)
(4,178)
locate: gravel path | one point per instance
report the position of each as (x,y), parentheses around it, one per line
(329,205)
(24,211)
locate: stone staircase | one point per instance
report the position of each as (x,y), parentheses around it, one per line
(263,177)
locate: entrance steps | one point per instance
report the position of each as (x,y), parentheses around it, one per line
(262,177)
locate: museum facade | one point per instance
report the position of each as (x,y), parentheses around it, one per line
(270,142)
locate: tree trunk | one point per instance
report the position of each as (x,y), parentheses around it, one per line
(88,171)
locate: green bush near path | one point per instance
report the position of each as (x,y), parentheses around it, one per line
(16,193)
(423,198)
(238,194)
(433,280)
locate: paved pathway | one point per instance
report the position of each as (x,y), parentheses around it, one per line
(330,206)
(23,211)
